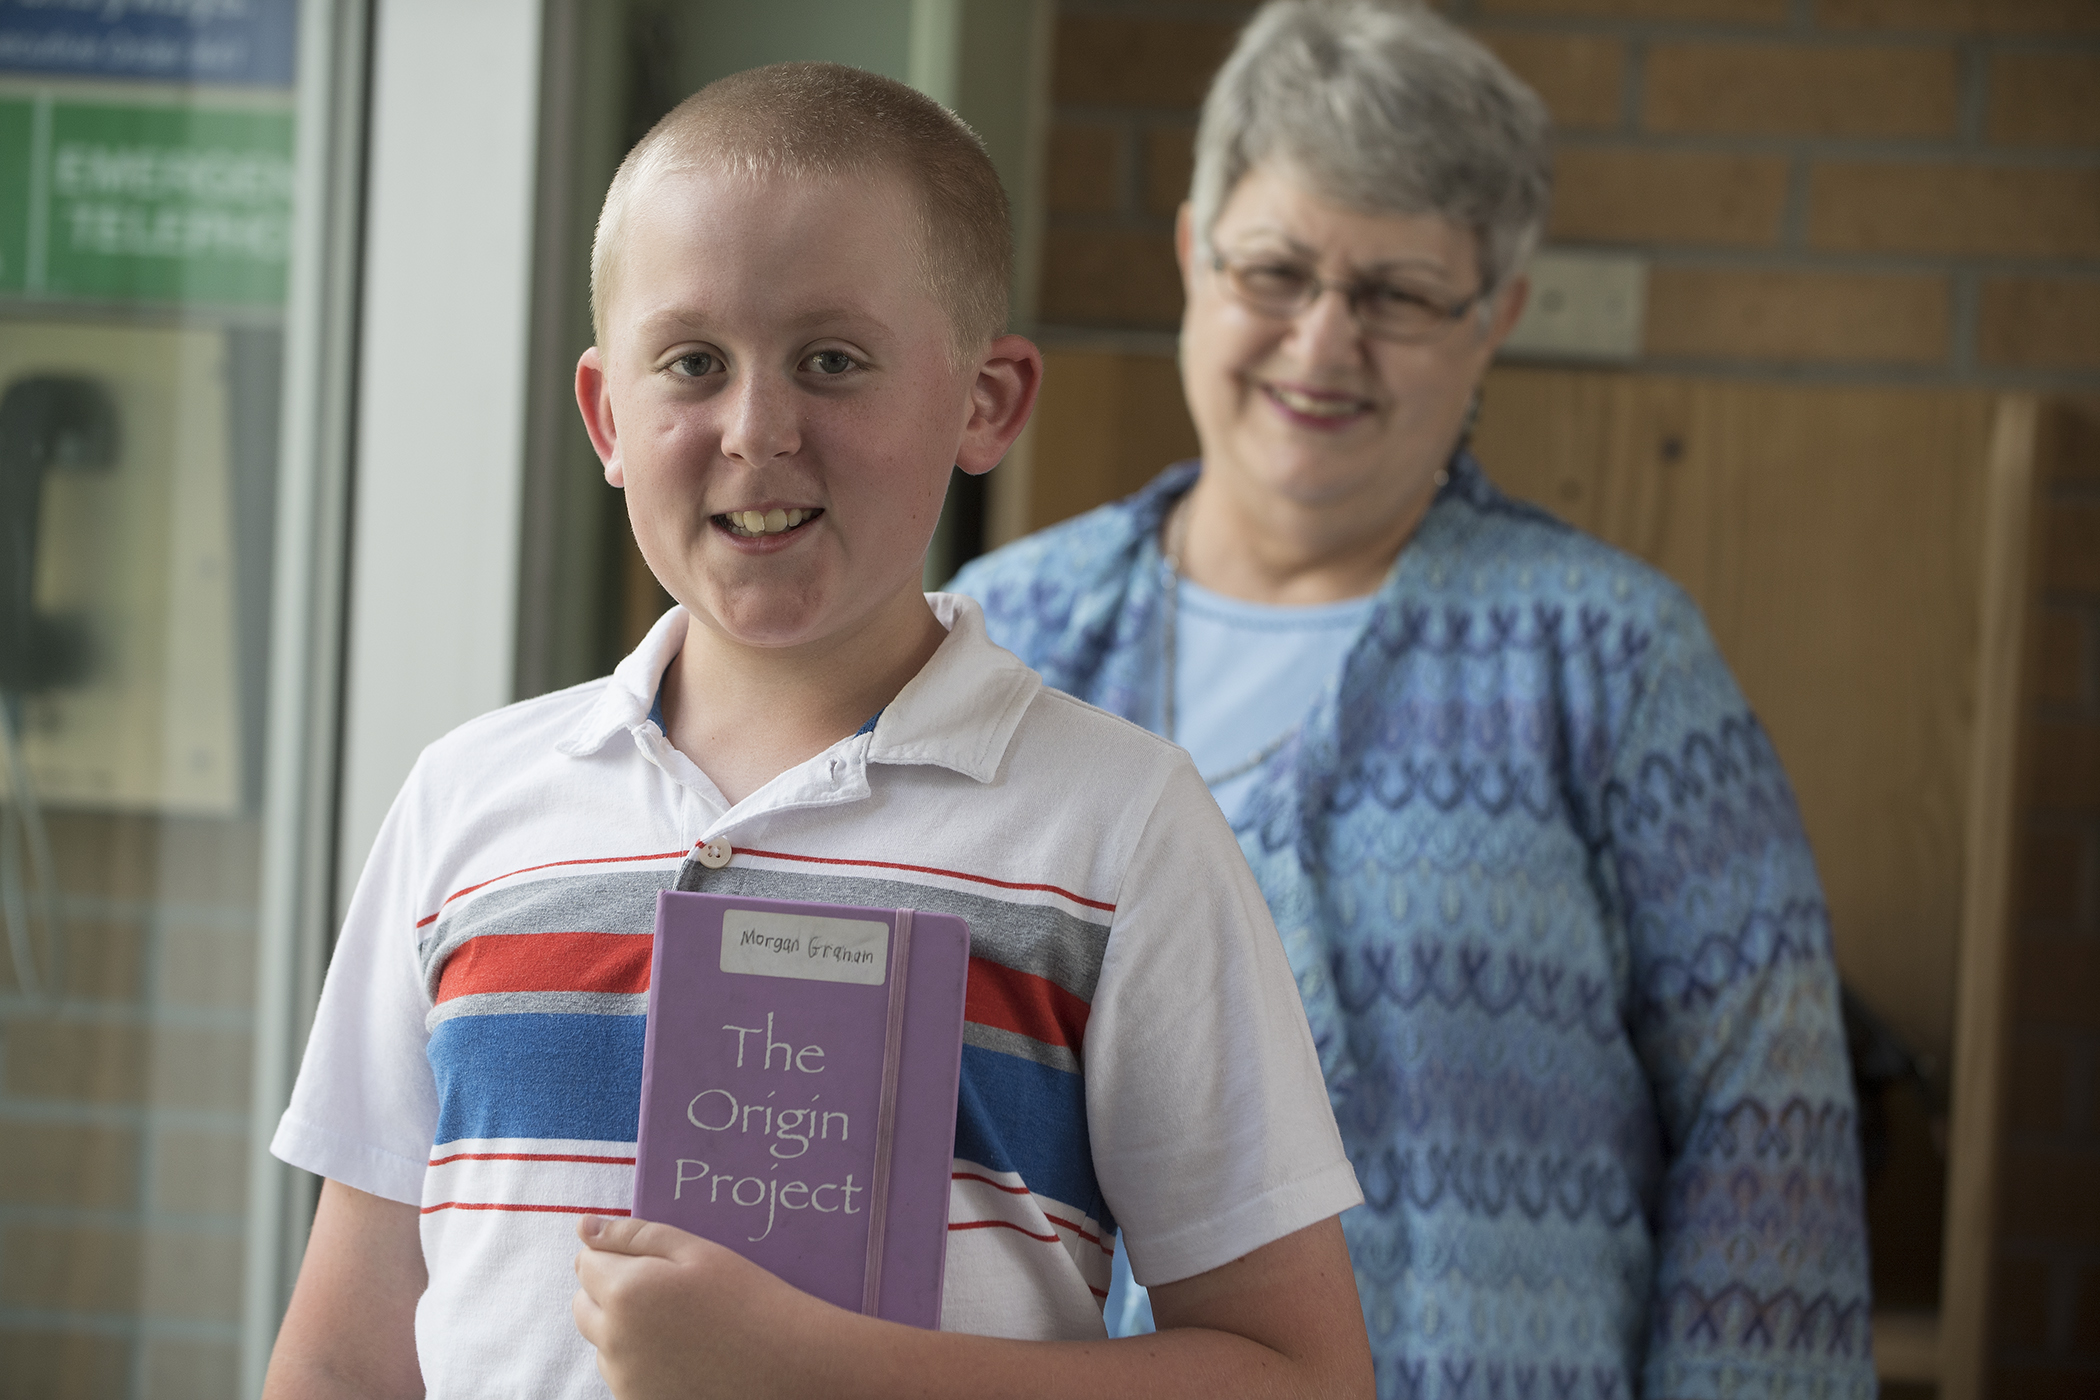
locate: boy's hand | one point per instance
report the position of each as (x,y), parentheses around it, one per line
(674,1315)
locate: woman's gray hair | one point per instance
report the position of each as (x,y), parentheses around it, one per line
(1384,108)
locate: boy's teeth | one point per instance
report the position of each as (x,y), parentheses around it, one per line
(765,522)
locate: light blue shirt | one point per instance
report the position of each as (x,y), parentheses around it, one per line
(1245,674)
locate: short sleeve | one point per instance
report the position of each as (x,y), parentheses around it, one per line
(364,1108)
(1211,1130)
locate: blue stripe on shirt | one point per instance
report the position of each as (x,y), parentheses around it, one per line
(1018,1116)
(538,1075)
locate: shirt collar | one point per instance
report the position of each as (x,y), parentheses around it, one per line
(624,704)
(962,708)
(959,712)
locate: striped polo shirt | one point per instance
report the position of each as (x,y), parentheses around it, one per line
(1134,1051)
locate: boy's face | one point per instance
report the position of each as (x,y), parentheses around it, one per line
(772,356)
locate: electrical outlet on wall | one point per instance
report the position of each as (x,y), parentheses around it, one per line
(1583,306)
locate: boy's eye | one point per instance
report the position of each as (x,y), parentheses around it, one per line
(830,362)
(696,364)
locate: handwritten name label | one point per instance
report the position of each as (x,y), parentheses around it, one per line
(807,946)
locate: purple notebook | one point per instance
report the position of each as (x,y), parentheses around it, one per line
(798,1091)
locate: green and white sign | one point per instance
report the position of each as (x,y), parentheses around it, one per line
(118,202)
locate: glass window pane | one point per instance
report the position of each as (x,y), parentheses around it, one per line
(147,179)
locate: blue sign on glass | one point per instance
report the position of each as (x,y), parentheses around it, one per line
(244,42)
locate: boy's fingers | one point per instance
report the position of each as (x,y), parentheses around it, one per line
(590,1318)
(604,1275)
(626,1235)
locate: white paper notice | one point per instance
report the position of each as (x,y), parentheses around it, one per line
(808,946)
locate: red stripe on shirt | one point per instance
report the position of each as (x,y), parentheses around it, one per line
(1025,1004)
(547,962)
(504,1205)
(425,921)
(529,1157)
(1089,1236)
(1059,1221)
(933,870)
(1086,1235)
(954,1225)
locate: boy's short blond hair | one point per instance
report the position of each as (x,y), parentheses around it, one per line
(825,120)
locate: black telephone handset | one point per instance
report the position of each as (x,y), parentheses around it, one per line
(47,422)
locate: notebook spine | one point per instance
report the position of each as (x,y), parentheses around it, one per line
(886,1113)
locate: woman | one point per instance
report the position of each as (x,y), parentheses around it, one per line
(1554,919)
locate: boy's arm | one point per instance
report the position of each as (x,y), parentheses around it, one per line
(351,1327)
(673,1315)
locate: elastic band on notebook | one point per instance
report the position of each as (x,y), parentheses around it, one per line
(886,1115)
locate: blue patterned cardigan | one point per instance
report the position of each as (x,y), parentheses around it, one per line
(1563,949)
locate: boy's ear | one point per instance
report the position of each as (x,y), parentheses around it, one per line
(1000,401)
(595,400)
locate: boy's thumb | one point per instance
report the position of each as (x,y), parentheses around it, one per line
(626,1235)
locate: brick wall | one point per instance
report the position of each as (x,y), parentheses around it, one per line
(1888,189)
(1869,191)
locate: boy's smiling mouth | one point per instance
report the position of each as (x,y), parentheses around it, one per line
(757,524)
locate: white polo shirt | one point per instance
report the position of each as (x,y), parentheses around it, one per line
(1134,1054)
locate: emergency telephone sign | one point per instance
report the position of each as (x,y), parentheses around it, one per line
(144,202)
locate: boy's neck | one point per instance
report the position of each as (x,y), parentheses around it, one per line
(747,714)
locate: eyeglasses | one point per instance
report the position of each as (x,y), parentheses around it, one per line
(1385,312)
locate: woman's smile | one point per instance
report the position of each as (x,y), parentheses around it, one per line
(1323,410)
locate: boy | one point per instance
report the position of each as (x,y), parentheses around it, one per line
(799,286)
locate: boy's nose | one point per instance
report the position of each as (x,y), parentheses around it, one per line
(761,425)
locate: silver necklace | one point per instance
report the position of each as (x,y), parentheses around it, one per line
(1170,557)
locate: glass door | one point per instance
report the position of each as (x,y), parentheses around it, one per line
(174,184)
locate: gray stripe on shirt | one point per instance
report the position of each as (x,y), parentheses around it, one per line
(1021,1047)
(547,1003)
(600,902)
